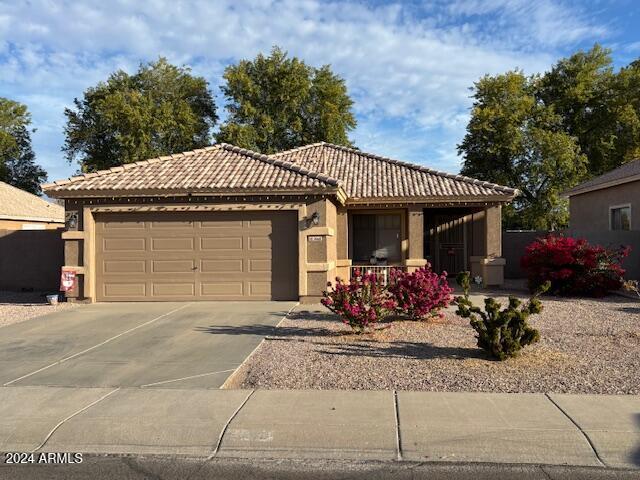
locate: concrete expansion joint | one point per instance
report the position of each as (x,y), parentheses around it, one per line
(78,412)
(584,434)
(397,421)
(86,350)
(226,425)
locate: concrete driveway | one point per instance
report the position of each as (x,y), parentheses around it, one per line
(168,345)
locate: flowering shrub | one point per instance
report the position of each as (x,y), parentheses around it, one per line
(360,302)
(420,294)
(573,266)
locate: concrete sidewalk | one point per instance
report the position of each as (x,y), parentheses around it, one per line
(583,430)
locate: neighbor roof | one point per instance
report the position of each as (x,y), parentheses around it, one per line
(219,168)
(352,174)
(16,204)
(366,176)
(629,172)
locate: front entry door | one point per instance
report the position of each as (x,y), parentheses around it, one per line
(450,240)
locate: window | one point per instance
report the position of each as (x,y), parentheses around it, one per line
(376,235)
(620,217)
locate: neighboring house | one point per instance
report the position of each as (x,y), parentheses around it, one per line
(608,202)
(31,250)
(225,223)
(20,210)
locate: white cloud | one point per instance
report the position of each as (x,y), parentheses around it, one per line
(408,67)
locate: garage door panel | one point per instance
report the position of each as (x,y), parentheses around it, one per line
(221,243)
(221,290)
(173,289)
(172,244)
(124,266)
(259,289)
(115,290)
(124,244)
(173,266)
(223,224)
(222,266)
(196,256)
(259,243)
(259,265)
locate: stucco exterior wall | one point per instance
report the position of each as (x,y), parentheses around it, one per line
(590,211)
(317,244)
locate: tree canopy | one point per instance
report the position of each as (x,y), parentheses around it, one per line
(17,160)
(545,133)
(161,109)
(276,103)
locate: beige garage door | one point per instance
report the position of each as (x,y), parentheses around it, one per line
(196,256)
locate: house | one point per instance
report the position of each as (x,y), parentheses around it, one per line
(20,210)
(607,202)
(226,223)
(30,244)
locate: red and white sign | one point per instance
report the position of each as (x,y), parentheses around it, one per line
(67,280)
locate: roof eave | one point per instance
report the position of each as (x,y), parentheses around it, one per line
(600,186)
(452,199)
(146,193)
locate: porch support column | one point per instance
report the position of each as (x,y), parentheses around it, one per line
(343,262)
(415,234)
(490,264)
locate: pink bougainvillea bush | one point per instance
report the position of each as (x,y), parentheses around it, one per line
(573,266)
(420,294)
(361,302)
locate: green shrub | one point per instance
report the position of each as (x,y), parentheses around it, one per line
(501,333)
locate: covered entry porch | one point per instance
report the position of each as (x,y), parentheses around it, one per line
(451,237)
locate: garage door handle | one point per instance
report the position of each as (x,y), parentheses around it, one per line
(194,268)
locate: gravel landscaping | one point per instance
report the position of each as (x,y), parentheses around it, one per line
(17,307)
(587,346)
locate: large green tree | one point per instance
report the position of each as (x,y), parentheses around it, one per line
(513,139)
(597,105)
(546,133)
(17,160)
(160,109)
(276,102)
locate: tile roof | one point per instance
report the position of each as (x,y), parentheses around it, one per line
(365,175)
(226,168)
(212,169)
(16,204)
(628,172)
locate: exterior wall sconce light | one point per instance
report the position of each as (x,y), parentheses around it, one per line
(315,218)
(71,220)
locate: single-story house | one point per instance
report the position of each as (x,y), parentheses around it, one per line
(607,202)
(30,243)
(226,223)
(20,210)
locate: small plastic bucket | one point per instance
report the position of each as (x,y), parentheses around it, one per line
(52,299)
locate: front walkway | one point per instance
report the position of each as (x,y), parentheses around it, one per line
(584,430)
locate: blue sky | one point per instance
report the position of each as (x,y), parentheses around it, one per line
(408,65)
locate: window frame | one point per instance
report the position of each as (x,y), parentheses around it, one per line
(619,207)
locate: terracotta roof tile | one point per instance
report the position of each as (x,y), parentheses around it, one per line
(226,167)
(365,175)
(221,167)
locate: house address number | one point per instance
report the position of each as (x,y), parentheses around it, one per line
(316,238)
